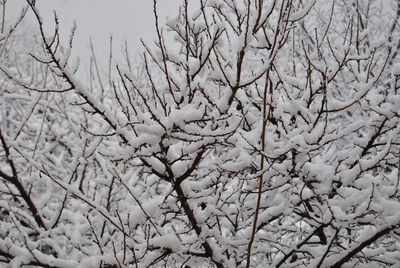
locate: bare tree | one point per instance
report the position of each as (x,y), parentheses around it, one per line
(265,134)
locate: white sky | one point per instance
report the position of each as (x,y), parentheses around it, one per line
(124,19)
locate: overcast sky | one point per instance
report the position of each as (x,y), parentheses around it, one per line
(124,19)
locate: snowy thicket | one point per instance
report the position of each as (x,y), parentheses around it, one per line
(251,134)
